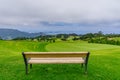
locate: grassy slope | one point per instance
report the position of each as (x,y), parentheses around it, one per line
(11,60)
(103,63)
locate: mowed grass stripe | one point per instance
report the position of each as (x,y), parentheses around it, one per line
(104,59)
(103,63)
(11,60)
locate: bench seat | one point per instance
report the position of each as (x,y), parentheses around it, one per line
(55,60)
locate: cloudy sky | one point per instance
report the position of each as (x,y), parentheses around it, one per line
(61,15)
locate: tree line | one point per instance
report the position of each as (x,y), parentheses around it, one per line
(98,37)
(104,40)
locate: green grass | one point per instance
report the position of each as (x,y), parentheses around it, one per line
(103,64)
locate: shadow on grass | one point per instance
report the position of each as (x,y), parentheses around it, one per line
(57,69)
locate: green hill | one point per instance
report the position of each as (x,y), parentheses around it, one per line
(103,63)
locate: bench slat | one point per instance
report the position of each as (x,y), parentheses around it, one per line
(55,60)
(54,54)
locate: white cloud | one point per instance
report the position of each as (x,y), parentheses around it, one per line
(32,12)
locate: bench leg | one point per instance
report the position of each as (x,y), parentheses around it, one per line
(26,67)
(25,61)
(30,66)
(85,68)
(82,65)
(86,62)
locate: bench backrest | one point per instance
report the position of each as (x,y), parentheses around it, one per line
(54,54)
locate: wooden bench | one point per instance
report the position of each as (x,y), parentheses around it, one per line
(55,58)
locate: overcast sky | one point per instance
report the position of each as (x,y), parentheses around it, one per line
(61,15)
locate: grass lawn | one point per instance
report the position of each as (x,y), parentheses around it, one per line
(103,64)
(116,38)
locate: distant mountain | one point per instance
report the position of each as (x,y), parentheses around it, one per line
(13,33)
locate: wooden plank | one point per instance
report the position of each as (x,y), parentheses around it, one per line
(55,54)
(55,60)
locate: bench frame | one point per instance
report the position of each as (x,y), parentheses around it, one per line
(27,55)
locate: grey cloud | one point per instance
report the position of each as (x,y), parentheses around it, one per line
(60,10)
(29,13)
